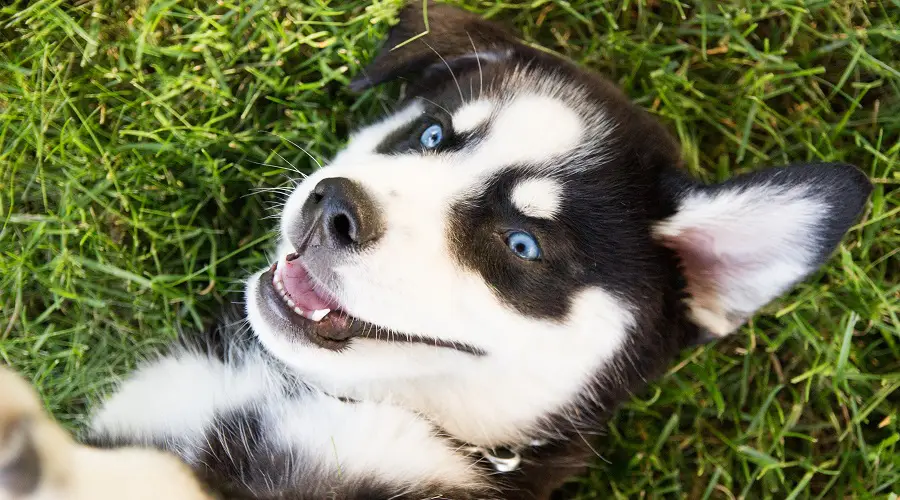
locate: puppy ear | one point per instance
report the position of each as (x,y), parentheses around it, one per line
(746,241)
(452,37)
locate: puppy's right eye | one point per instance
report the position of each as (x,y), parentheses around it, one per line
(524,245)
(432,136)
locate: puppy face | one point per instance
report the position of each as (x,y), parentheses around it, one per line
(514,241)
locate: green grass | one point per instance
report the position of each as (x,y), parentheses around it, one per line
(133,138)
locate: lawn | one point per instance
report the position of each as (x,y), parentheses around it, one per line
(143,144)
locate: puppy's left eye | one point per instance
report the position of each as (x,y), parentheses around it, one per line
(432,136)
(524,245)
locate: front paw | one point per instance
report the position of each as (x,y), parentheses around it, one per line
(20,466)
(24,431)
(39,460)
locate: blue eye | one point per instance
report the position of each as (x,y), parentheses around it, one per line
(523,245)
(432,136)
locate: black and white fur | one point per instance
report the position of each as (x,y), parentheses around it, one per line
(466,347)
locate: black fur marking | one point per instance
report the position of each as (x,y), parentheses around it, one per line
(593,243)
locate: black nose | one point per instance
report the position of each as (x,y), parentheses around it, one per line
(345,212)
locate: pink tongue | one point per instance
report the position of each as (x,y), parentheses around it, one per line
(299,288)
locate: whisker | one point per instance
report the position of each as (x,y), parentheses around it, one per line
(458,88)
(292,143)
(436,104)
(291,169)
(268,165)
(292,166)
(477,60)
(282,190)
(575,426)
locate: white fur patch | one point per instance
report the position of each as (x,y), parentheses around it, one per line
(530,129)
(178,396)
(471,115)
(365,439)
(755,243)
(537,197)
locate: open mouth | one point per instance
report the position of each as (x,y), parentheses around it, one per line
(296,288)
(310,313)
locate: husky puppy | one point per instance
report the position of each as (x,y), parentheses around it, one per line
(469,288)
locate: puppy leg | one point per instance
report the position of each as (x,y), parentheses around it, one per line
(39,461)
(20,467)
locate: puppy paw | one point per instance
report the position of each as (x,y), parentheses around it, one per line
(21,418)
(39,460)
(20,467)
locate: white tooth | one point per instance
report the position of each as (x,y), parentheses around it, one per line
(298,311)
(291,303)
(318,314)
(279,286)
